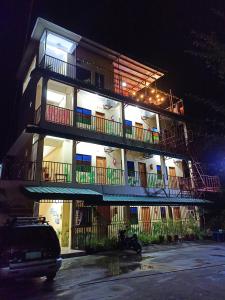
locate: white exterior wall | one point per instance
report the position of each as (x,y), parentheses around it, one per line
(135,114)
(113,159)
(175,163)
(61,150)
(96,103)
(138,157)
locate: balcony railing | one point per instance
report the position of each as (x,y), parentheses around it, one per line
(59,115)
(99,124)
(143,135)
(98,175)
(69,70)
(207,183)
(147,180)
(58,66)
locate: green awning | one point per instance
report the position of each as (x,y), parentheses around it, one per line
(49,192)
(143,200)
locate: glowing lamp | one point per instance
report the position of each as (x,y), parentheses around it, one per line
(142,96)
(152,91)
(124,84)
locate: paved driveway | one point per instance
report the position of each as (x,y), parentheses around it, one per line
(184,271)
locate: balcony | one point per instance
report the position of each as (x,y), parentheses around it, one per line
(134,83)
(64,117)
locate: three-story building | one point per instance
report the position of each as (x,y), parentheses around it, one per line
(99,145)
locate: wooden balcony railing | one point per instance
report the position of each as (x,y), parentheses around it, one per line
(99,124)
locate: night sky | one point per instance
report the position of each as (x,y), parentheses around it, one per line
(155,32)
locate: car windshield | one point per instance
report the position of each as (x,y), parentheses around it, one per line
(41,236)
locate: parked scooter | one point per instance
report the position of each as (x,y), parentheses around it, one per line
(126,242)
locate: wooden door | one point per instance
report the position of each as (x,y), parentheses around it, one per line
(139,131)
(142,174)
(172,178)
(176,213)
(145,219)
(100,121)
(101,170)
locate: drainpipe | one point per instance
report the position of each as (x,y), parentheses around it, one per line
(39,159)
(124,166)
(74,151)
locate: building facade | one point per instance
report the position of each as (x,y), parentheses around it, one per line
(99,147)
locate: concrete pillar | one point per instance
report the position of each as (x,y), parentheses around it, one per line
(74,151)
(39,158)
(124,165)
(158,122)
(43,100)
(164,171)
(123,119)
(74,107)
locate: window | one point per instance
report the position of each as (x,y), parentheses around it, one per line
(83,115)
(159,171)
(163,213)
(130,168)
(99,80)
(133,215)
(128,127)
(83,162)
(83,75)
(83,216)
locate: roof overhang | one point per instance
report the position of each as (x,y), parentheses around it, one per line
(55,193)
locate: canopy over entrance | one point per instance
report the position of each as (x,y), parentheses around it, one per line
(55,193)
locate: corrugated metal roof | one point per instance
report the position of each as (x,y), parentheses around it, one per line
(143,200)
(50,192)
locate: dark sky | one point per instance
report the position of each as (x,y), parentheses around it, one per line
(156,32)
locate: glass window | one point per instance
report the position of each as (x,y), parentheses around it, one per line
(159,171)
(128,127)
(83,75)
(130,168)
(83,162)
(133,215)
(99,80)
(83,115)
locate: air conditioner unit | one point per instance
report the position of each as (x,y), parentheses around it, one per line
(108,149)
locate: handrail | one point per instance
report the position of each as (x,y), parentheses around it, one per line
(99,124)
(142,134)
(59,115)
(62,172)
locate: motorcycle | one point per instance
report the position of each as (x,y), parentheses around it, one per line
(126,242)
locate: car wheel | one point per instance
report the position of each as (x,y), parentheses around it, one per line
(51,276)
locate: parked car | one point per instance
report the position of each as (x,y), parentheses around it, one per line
(29,247)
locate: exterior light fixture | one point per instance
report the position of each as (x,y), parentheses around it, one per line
(124,84)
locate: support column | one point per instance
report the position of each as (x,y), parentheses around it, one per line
(74,162)
(164,171)
(74,108)
(124,165)
(158,122)
(43,100)
(39,158)
(123,119)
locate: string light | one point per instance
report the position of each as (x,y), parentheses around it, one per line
(162,98)
(157,96)
(142,96)
(152,91)
(124,84)
(133,93)
(137,99)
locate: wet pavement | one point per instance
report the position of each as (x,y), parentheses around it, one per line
(183,271)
